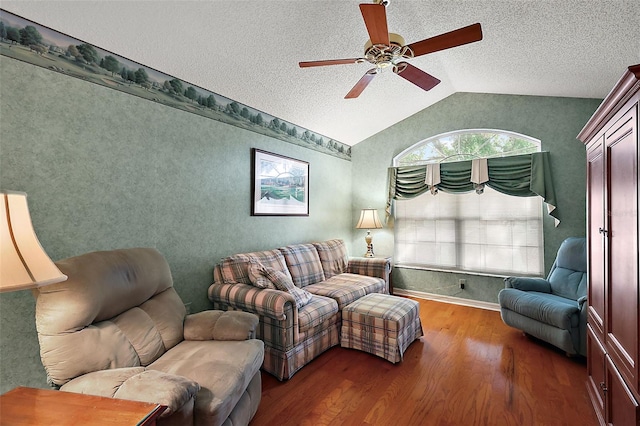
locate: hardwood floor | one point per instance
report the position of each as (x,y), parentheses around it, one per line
(468,369)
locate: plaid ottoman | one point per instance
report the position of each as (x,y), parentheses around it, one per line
(381,324)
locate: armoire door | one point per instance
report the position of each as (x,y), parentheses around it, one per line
(596,374)
(596,236)
(621,341)
(622,407)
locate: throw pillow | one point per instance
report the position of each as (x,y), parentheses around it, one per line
(235,268)
(257,274)
(304,264)
(334,257)
(284,283)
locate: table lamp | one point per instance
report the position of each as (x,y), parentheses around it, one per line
(23,262)
(369,220)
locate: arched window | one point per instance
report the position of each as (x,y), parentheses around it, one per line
(466,145)
(491,233)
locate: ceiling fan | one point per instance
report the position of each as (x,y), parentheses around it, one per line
(385,49)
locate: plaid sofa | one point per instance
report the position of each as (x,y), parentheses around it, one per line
(295,336)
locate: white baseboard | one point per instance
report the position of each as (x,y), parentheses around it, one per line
(447,299)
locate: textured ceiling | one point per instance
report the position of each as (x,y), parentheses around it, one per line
(249,50)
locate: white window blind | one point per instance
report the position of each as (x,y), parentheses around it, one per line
(490,233)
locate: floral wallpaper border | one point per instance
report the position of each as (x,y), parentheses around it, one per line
(42,46)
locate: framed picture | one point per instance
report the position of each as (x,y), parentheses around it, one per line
(280,185)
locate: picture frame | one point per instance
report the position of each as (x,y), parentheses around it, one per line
(279,185)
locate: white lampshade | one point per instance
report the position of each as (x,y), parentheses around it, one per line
(23,262)
(369,219)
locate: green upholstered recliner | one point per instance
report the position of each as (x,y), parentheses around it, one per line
(552,309)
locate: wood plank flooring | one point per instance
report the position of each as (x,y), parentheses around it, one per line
(468,369)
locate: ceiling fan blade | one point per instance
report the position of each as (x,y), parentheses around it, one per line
(361,84)
(375,18)
(447,40)
(329,62)
(416,76)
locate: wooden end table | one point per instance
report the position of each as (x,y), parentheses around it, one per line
(31,406)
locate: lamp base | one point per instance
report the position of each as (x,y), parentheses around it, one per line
(368,239)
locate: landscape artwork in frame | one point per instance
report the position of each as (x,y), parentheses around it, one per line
(280,185)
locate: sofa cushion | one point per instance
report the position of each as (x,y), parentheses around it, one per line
(568,276)
(304,264)
(544,307)
(235,268)
(256,275)
(346,288)
(333,256)
(284,283)
(137,384)
(223,370)
(316,312)
(568,283)
(136,337)
(220,325)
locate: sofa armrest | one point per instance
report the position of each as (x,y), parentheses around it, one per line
(220,325)
(243,297)
(528,284)
(137,384)
(378,267)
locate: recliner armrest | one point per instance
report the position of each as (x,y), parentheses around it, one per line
(220,325)
(581,301)
(137,384)
(528,284)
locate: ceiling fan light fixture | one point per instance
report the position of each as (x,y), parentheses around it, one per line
(385,56)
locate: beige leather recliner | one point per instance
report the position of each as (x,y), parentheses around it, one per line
(117,328)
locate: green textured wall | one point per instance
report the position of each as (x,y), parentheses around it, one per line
(106,170)
(555,121)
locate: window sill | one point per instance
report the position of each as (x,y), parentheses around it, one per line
(462,272)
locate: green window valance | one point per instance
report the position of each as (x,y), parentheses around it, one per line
(526,175)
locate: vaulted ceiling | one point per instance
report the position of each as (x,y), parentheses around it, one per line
(249,50)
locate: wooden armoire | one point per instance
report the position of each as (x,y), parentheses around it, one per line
(613,332)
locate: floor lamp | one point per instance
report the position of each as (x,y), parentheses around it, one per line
(369,220)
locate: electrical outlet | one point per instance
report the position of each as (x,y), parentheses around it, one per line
(462,283)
